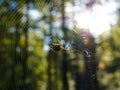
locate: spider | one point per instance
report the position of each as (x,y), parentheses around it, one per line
(57,47)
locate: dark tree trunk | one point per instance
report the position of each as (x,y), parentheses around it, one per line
(77,76)
(64,72)
(16,58)
(91,82)
(90,78)
(25,49)
(64,62)
(50,56)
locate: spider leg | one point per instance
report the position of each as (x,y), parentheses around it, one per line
(63,48)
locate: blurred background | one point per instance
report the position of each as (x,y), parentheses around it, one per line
(28,26)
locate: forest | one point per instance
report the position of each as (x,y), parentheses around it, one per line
(43,45)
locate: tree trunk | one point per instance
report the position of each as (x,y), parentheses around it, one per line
(25,49)
(64,62)
(90,78)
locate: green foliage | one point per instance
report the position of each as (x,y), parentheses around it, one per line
(110,48)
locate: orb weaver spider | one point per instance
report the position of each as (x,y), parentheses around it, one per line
(57,47)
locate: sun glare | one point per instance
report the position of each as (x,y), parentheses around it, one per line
(98,19)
